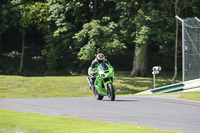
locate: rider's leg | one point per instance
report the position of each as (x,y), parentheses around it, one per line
(92,82)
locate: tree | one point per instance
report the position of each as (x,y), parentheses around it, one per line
(99,35)
(24,22)
(179,6)
(8,18)
(126,10)
(140,54)
(152,28)
(29,13)
(65,19)
(101,38)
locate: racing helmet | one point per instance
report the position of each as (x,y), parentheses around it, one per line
(100,58)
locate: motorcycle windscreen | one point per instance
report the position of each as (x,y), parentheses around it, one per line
(103,66)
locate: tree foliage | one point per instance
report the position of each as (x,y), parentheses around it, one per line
(101,38)
(153,25)
(64,19)
(78,29)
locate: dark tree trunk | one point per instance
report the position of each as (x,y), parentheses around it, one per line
(175,55)
(176,44)
(140,57)
(140,61)
(22,54)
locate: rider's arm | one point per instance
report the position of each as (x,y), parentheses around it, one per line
(106,61)
(92,68)
(94,64)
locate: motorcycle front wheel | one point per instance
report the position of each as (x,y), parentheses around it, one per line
(111,92)
(97,96)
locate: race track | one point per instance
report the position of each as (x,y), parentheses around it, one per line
(155,112)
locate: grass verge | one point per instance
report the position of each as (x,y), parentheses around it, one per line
(35,87)
(195,95)
(18,122)
(73,86)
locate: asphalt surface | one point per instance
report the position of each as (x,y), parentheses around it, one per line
(162,113)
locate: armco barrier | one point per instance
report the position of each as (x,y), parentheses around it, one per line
(187,85)
(168,88)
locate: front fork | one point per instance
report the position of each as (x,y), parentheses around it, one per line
(106,84)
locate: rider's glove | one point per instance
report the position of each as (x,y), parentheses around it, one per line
(93,74)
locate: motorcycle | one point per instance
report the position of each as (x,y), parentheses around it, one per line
(103,84)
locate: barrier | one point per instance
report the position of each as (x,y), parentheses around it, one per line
(191,84)
(168,88)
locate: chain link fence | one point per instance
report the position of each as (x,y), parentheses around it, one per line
(191,48)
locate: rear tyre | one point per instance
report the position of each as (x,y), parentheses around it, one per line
(97,96)
(111,92)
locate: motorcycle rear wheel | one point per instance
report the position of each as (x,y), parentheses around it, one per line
(97,96)
(111,92)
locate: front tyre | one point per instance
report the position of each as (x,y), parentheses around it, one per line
(97,96)
(111,92)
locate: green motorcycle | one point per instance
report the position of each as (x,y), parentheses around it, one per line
(103,84)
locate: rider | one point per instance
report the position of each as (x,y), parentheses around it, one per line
(100,58)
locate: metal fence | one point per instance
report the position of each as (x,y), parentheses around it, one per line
(190,48)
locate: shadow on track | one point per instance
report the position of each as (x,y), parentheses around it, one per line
(122,100)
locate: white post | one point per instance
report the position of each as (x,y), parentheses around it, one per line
(154,80)
(183,48)
(156,70)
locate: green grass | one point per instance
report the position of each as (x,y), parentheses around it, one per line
(18,122)
(195,96)
(73,86)
(190,95)
(131,85)
(29,87)
(68,86)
